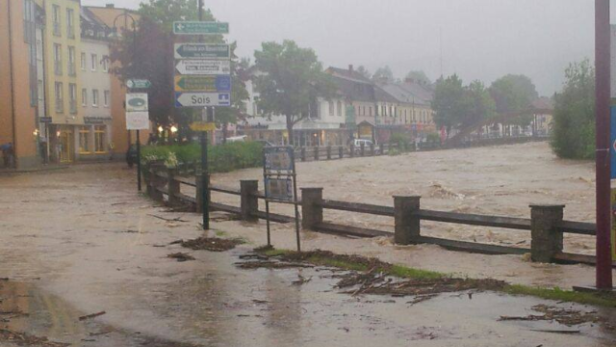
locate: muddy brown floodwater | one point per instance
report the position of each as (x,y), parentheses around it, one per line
(81,241)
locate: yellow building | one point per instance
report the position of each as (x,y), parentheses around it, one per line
(62,47)
(18,83)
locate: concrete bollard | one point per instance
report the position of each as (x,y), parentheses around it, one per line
(407,226)
(249,200)
(312,212)
(546,241)
(173,188)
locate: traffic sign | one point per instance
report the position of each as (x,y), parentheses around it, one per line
(201,50)
(202,99)
(203,67)
(200,28)
(202,126)
(138,84)
(202,83)
(137,121)
(136,102)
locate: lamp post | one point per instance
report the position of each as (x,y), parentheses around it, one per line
(126,16)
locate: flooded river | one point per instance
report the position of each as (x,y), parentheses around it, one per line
(80,241)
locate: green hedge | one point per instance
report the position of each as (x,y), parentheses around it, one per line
(221,158)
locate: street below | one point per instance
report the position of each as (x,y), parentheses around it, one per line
(82,241)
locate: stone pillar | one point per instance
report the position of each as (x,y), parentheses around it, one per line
(312,212)
(407,226)
(250,201)
(546,241)
(173,188)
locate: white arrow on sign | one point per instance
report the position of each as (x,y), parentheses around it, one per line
(202,99)
(203,67)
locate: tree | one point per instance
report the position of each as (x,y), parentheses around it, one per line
(383,74)
(419,76)
(512,94)
(449,102)
(364,72)
(573,127)
(229,115)
(165,12)
(480,104)
(290,80)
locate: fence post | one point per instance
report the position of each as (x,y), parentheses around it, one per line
(173,187)
(249,200)
(362,147)
(546,241)
(199,184)
(329,152)
(146,178)
(312,212)
(303,153)
(316,153)
(372,149)
(156,180)
(407,225)
(340,152)
(383,147)
(352,150)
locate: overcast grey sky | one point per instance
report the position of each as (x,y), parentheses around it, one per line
(481,39)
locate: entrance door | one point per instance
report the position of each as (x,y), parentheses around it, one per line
(67,146)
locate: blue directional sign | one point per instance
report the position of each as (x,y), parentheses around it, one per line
(201,99)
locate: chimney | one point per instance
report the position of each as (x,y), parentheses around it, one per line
(110,6)
(350,67)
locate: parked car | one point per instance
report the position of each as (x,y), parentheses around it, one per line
(357,143)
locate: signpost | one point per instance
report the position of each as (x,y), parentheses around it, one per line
(201,50)
(138,84)
(202,80)
(200,28)
(137,118)
(203,67)
(280,180)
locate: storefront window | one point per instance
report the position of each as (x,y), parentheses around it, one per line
(99,139)
(84,143)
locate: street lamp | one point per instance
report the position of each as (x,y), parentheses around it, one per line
(173,129)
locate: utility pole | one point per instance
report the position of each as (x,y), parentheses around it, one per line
(602,90)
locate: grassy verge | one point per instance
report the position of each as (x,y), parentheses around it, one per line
(358,263)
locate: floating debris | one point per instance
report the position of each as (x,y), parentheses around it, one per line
(181,257)
(213,244)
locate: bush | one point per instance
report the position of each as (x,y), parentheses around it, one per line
(221,158)
(400,139)
(573,127)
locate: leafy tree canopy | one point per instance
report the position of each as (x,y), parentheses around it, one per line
(573,127)
(362,70)
(419,76)
(383,74)
(513,93)
(289,80)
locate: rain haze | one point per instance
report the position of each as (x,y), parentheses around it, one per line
(481,39)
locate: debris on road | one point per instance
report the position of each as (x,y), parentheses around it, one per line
(88,316)
(181,257)
(178,219)
(212,244)
(270,265)
(562,316)
(301,280)
(23,339)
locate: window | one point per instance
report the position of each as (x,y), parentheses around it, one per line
(331,108)
(71,61)
(84,140)
(84,97)
(72,93)
(99,139)
(83,62)
(106,98)
(94,61)
(57,58)
(59,98)
(56,20)
(104,63)
(70,23)
(370,109)
(95,97)
(339,108)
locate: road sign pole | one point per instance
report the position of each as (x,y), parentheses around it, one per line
(138,161)
(205,182)
(602,90)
